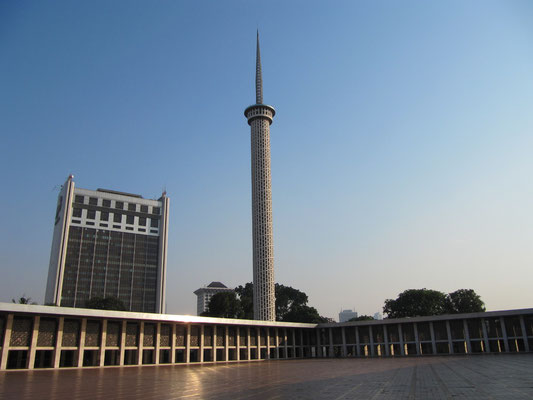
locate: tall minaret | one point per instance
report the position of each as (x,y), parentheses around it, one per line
(259,118)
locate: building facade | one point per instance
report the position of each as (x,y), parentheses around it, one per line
(260,117)
(108,244)
(57,337)
(205,293)
(346,315)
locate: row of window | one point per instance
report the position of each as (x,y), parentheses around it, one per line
(120,205)
(104,225)
(118,218)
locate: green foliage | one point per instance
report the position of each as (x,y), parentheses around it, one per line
(361,318)
(424,302)
(106,303)
(291,304)
(246,296)
(24,300)
(464,301)
(224,305)
(416,302)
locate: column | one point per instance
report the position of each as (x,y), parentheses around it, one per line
(267,330)
(302,345)
(386,340)
(467,337)
(293,333)
(102,342)
(286,342)
(371,333)
(173,345)
(59,340)
(357,342)
(330,333)
(238,343)
(417,341)
(140,345)
(7,339)
(214,338)
(188,344)
(276,349)
(432,332)
(33,342)
(201,355)
(157,342)
(449,332)
(402,345)
(248,350)
(485,335)
(318,344)
(524,333)
(81,346)
(226,345)
(344,349)
(504,333)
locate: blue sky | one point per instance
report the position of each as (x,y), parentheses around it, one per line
(401,148)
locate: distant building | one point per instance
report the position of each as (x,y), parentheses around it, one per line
(108,244)
(346,315)
(205,293)
(378,316)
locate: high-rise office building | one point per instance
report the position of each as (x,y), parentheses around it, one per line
(259,118)
(205,293)
(346,315)
(108,244)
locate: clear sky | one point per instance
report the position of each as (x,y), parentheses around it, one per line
(401,149)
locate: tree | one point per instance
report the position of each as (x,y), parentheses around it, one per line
(106,303)
(303,313)
(464,301)
(416,302)
(246,296)
(289,302)
(24,300)
(288,298)
(361,318)
(224,305)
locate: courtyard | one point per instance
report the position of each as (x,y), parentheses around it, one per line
(468,377)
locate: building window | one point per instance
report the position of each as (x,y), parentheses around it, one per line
(142,221)
(142,230)
(89,223)
(132,207)
(104,225)
(76,212)
(106,203)
(104,216)
(91,214)
(117,217)
(119,205)
(154,223)
(78,199)
(144,209)
(116,226)
(93,201)
(130,219)
(156,210)
(129,228)
(153,231)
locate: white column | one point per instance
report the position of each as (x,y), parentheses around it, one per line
(214,338)
(188,344)
(504,333)
(59,340)
(140,345)
(7,339)
(344,349)
(485,336)
(102,342)
(33,342)
(371,333)
(386,340)
(226,344)
(173,345)
(81,346)
(201,350)
(157,343)
(248,342)
(400,334)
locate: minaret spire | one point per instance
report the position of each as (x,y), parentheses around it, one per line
(258,76)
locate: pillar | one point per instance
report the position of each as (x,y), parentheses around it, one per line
(33,342)
(81,346)
(102,342)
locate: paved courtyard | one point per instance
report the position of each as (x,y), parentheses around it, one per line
(469,377)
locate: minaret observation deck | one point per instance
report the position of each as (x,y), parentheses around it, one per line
(259,118)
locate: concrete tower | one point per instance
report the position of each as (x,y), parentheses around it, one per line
(259,118)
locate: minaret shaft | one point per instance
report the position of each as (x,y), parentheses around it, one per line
(259,118)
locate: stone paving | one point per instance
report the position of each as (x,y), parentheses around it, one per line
(459,377)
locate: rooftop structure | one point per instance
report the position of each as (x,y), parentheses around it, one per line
(205,293)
